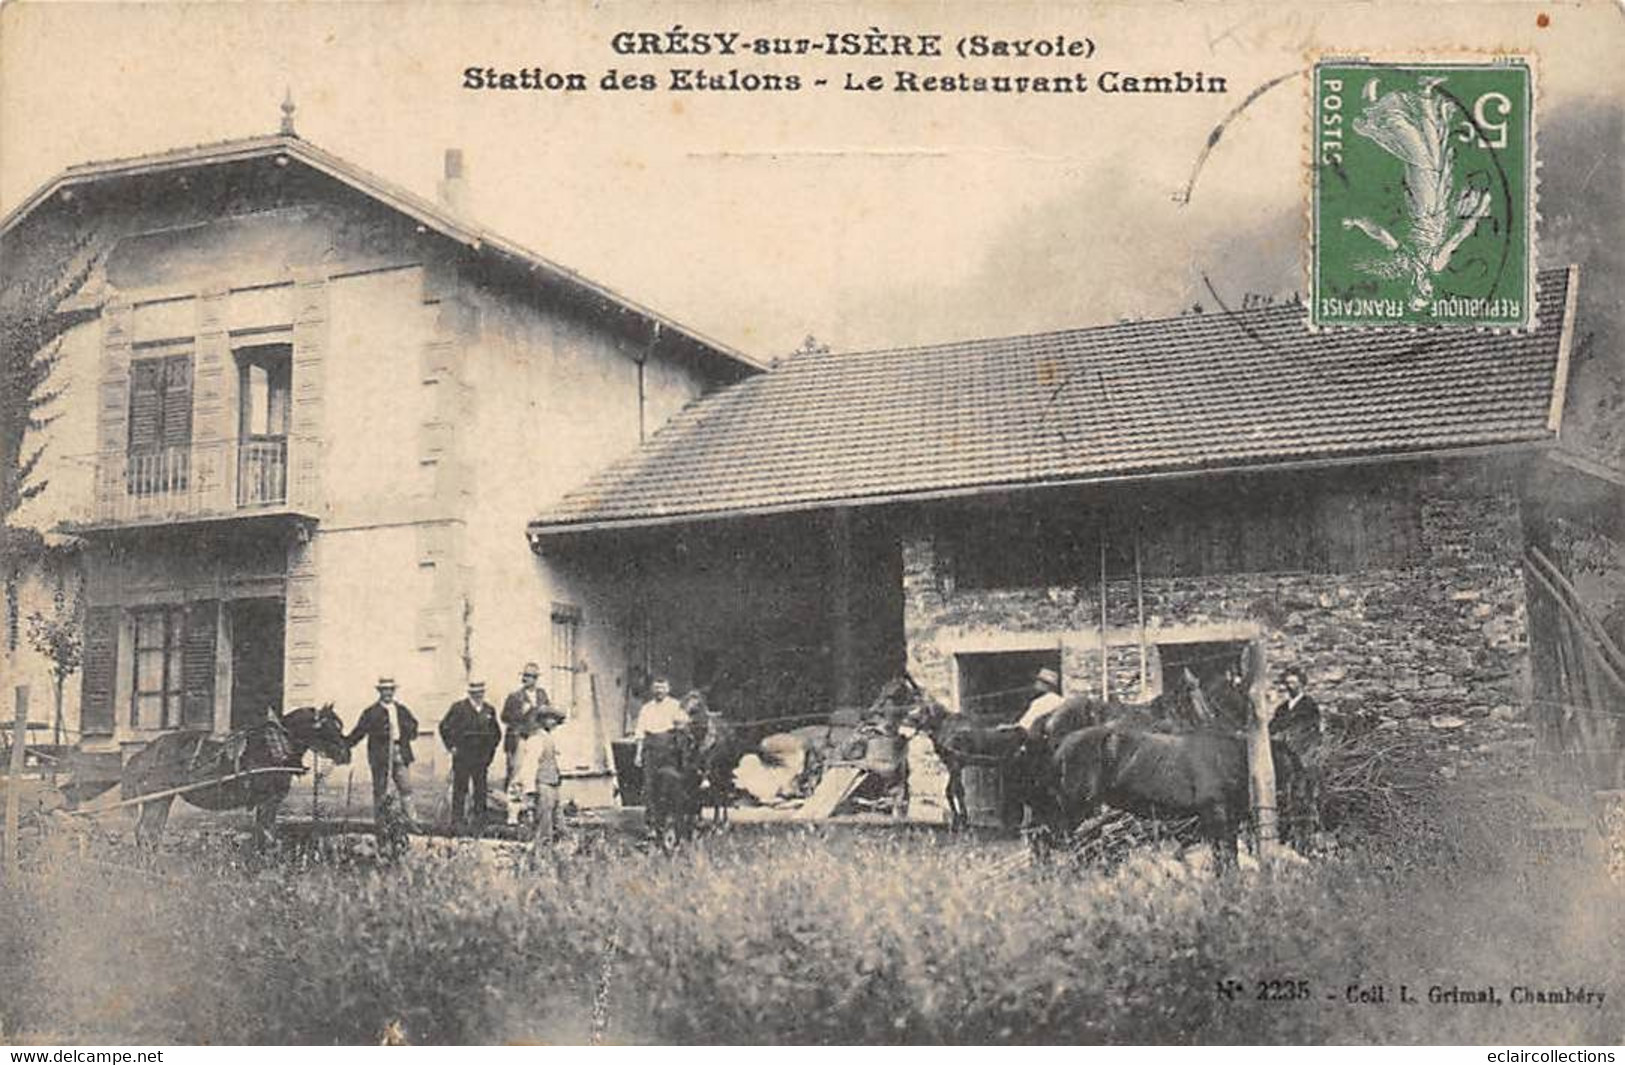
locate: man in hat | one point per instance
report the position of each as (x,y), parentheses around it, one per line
(1047,683)
(545,779)
(389,728)
(471,733)
(521,703)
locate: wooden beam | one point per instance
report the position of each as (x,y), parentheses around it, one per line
(1565,341)
(1260,759)
(1566,597)
(170,793)
(1105,658)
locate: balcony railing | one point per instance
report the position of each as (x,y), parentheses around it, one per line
(212,479)
(262,471)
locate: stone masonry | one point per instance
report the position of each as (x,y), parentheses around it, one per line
(1439,650)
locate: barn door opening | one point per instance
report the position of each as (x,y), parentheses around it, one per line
(998,686)
(1212,663)
(256,659)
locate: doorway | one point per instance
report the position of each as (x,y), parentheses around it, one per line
(256,659)
(998,686)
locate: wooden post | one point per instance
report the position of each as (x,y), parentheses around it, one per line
(1260,760)
(14,783)
(1105,660)
(1139,607)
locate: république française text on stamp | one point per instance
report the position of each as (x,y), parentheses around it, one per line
(1423,194)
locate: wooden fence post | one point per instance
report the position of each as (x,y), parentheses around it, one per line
(14,783)
(1260,760)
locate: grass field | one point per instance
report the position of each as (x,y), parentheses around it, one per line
(803,935)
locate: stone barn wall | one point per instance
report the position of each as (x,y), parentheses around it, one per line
(1438,648)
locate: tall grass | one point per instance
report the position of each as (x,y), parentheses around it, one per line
(805,935)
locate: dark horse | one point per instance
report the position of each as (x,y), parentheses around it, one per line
(177,759)
(720,745)
(1154,762)
(1203,772)
(959,741)
(672,777)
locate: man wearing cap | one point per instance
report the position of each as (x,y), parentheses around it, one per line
(1047,683)
(389,728)
(520,704)
(471,733)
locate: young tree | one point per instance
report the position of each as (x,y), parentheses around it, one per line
(59,636)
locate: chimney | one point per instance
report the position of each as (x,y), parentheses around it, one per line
(453,189)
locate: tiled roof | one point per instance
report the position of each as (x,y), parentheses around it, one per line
(1218,390)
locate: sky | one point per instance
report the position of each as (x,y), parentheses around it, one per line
(866,219)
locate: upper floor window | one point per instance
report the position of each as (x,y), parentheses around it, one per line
(160,439)
(264,413)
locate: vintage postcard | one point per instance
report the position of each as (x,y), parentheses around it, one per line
(841,523)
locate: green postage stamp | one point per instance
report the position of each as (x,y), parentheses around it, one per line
(1424,183)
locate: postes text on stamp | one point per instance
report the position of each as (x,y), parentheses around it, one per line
(1423,186)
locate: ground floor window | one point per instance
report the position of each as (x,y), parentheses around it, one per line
(155,696)
(566,637)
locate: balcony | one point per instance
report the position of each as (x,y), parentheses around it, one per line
(205,481)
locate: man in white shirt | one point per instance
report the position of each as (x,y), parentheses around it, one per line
(659,716)
(1047,683)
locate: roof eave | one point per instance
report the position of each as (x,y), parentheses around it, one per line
(417,208)
(539,530)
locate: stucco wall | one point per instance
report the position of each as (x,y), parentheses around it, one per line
(1439,650)
(553,396)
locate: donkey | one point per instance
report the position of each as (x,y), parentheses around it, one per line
(194,756)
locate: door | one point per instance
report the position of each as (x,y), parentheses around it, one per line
(256,659)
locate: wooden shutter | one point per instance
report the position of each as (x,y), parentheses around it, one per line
(197,664)
(97,687)
(177,405)
(146,405)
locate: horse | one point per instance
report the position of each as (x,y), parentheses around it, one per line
(194,756)
(718,747)
(720,751)
(959,742)
(671,784)
(1162,775)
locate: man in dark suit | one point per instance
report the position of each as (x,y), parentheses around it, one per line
(389,728)
(1296,723)
(471,733)
(521,705)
